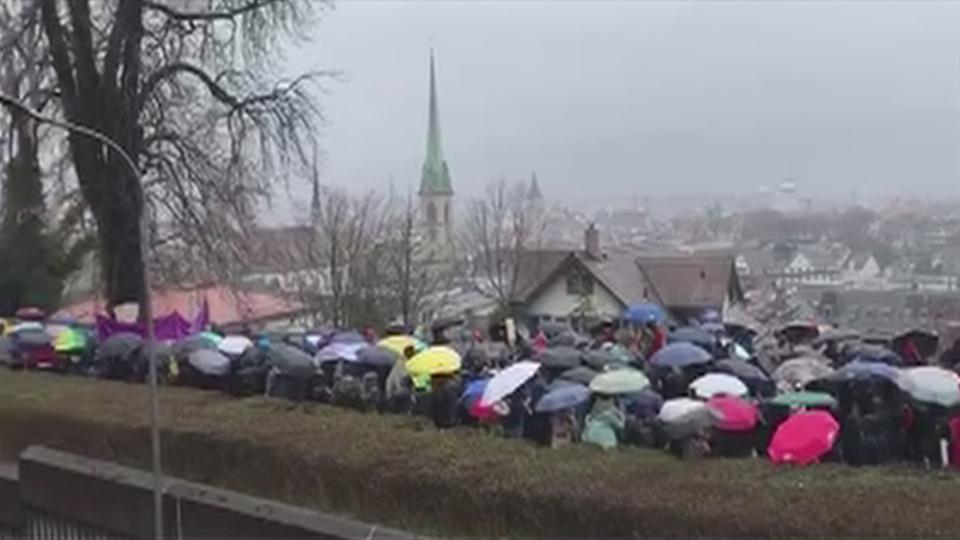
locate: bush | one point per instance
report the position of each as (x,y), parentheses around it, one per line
(401,471)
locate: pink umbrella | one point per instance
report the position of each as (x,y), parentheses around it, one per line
(733,414)
(803,438)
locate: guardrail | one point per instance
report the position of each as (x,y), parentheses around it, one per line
(55,495)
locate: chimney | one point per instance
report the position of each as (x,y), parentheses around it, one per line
(591,242)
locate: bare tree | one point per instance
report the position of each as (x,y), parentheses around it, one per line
(501,228)
(410,273)
(342,280)
(186,87)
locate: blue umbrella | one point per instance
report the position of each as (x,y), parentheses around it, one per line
(693,334)
(875,354)
(644,312)
(680,355)
(645,403)
(473,391)
(863,370)
(565,397)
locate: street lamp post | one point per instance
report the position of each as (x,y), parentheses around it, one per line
(146,306)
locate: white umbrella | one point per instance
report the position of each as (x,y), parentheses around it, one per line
(797,372)
(676,410)
(931,384)
(26,326)
(504,383)
(209,362)
(340,351)
(234,344)
(713,384)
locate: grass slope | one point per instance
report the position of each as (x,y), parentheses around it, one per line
(402,472)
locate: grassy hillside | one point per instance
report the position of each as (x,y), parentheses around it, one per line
(402,472)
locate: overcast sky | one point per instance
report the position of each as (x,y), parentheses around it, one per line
(619,99)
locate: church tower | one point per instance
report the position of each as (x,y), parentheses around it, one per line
(436,191)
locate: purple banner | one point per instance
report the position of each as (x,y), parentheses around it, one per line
(170,327)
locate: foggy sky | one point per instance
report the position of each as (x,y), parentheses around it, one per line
(608,101)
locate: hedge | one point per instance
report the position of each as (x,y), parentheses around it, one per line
(402,472)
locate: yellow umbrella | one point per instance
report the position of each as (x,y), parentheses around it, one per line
(437,360)
(399,344)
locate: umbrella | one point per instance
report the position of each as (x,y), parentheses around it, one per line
(565,397)
(836,334)
(803,438)
(798,331)
(340,351)
(804,399)
(399,344)
(713,384)
(290,360)
(876,353)
(568,338)
(30,314)
(680,355)
(741,369)
(864,370)
(378,356)
(695,335)
(931,384)
(560,383)
(619,381)
(581,374)
(184,347)
(560,357)
(119,345)
(473,391)
(507,381)
(25,327)
(70,339)
(32,338)
(797,372)
(733,414)
(599,359)
(643,313)
(436,360)
(234,345)
(682,417)
(645,403)
(925,342)
(714,328)
(211,337)
(209,362)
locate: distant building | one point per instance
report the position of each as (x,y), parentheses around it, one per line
(436,189)
(888,311)
(590,283)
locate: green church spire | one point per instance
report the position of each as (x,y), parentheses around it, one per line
(435,176)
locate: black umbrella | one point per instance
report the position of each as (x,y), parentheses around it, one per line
(551,329)
(377,356)
(119,346)
(290,360)
(644,404)
(925,342)
(579,374)
(209,362)
(561,357)
(740,369)
(598,359)
(567,338)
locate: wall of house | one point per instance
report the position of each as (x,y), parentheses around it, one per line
(555,302)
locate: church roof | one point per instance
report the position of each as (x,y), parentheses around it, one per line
(435,176)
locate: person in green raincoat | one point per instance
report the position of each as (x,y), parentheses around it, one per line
(604,423)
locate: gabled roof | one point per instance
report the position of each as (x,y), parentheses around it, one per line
(692,280)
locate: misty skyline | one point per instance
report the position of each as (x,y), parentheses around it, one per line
(621,99)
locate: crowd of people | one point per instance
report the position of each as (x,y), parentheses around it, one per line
(799,394)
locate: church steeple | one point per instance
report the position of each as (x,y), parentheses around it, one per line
(534,193)
(435,176)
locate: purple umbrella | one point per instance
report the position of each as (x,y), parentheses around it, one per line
(680,355)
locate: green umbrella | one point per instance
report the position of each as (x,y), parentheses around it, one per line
(70,340)
(804,399)
(620,381)
(212,337)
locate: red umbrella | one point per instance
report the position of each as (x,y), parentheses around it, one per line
(733,414)
(803,438)
(30,314)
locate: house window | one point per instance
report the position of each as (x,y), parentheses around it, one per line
(579,282)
